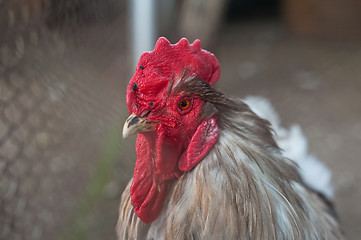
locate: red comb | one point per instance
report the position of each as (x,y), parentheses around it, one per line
(170,60)
(166,62)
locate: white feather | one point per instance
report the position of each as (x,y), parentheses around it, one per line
(295,146)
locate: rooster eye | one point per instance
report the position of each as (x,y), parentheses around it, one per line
(184,104)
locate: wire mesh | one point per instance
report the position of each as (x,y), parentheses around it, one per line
(58,107)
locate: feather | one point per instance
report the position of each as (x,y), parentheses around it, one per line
(244,188)
(294,144)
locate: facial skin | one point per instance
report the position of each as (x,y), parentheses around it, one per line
(172,134)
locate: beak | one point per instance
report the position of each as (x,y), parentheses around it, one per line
(135,124)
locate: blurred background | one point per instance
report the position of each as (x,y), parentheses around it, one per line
(65,65)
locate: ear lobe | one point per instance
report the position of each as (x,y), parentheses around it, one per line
(202,141)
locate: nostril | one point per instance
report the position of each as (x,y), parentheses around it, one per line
(145,113)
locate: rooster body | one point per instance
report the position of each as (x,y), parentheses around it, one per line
(229,179)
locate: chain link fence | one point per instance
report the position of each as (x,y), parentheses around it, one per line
(62,71)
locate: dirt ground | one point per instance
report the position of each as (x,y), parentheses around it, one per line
(64,165)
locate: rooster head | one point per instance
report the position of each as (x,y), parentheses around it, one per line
(174,133)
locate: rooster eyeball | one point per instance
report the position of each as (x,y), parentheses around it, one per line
(184,104)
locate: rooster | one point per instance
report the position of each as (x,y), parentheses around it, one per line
(207,166)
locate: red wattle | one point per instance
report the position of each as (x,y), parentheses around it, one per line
(155,167)
(158,162)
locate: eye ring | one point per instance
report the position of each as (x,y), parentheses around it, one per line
(184,104)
